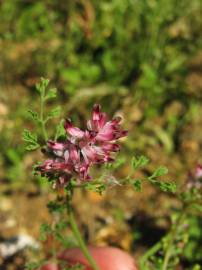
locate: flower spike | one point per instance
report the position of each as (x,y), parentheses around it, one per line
(83,149)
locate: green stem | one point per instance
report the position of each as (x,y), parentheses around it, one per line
(79,239)
(168,251)
(149,253)
(42,122)
(171,239)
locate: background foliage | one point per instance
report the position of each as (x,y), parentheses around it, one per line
(140,59)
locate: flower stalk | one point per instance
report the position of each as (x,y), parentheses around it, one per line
(77,234)
(41,119)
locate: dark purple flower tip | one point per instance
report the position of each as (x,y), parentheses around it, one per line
(73,131)
(96,112)
(55,145)
(97,107)
(122,133)
(108,159)
(111,147)
(116,120)
(46,166)
(68,124)
(83,171)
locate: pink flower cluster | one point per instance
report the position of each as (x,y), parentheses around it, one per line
(83,149)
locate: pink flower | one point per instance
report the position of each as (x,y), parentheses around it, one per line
(102,129)
(73,131)
(82,149)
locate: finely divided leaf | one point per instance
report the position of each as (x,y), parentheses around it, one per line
(34,115)
(28,136)
(159,172)
(31,139)
(137,184)
(139,162)
(52,93)
(41,86)
(60,131)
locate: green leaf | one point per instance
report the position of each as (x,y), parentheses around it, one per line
(159,172)
(41,86)
(61,225)
(60,131)
(44,230)
(99,188)
(34,115)
(116,164)
(28,136)
(137,184)
(55,206)
(31,139)
(59,237)
(167,186)
(32,147)
(164,186)
(52,93)
(54,113)
(139,162)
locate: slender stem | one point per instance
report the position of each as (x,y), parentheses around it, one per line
(149,253)
(168,252)
(79,239)
(171,239)
(42,122)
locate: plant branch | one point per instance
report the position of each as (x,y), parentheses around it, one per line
(42,121)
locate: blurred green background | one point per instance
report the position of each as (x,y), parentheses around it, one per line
(141,59)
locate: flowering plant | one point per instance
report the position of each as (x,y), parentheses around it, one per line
(82,149)
(71,155)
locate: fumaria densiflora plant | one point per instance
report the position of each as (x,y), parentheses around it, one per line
(70,153)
